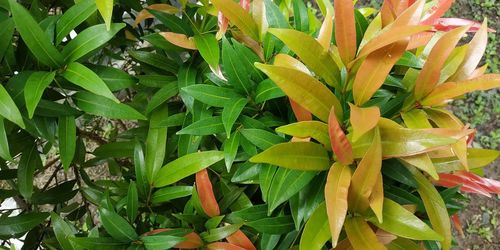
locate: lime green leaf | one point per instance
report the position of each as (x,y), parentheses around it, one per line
(6,35)
(170,193)
(360,234)
(292,155)
(161,242)
(67,140)
(231,112)
(209,94)
(73,17)
(209,49)
(102,106)
(63,231)
(37,41)
(314,129)
(33,90)
(105,7)
(30,161)
(285,184)
(185,166)
(87,79)
(316,231)
(207,126)
(336,193)
(90,39)
(304,89)
(21,223)
(403,244)
(219,233)
(8,108)
(238,16)
(117,226)
(476,157)
(132,202)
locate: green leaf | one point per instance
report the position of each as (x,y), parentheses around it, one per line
(88,80)
(316,232)
(116,149)
(63,231)
(209,94)
(314,129)
(231,112)
(174,23)
(304,89)
(285,184)
(209,49)
(231,149)
(30,161)
(6,35)
(410,60)
(300,17)
(395,170)
(161,242)
(102,106)
(235,69)
(402,244)
(89,40)
(292,155)
(33,90)
(170,193)
(273,225)
(156,60)
(401,222)
(267,90)
(101,243)
(185,166)
(117,226)
(140,170)
(115,79)
(37,41)
(311,53)
(105,7)
(239,17)
(67,140)
(58,194)
(132,202)
(73,17)
(219,233)
(207,126)
(4,142)
(164,94)
(8,108)
(261,138)
(21,223)
(155,144)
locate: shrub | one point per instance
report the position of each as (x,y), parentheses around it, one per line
(237,126)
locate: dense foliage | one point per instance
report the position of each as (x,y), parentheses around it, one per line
(264,124)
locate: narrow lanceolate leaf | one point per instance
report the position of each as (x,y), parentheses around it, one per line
(475,52)
(231,112)
(240,239)
(132,202)
(430,74)
(326,30)
(340,145)
(8,108)
(259,15)
(360,234)
(316,232)
(155,143)
(89,40)
(438,10)
(314,129)
(37,41)
(67,139)
(239,17)
(30,161)
(116,226)
(185,166)
(336,190)
(98,243)
(63,231)
(145,14)
(88,80)
(401,222)
(73,17)
(363,179)
(209,94)
(261,138)
(105,7)
(422,162)
(206,126)
(209,49)
(231,149)
(292,155)
(311,53)
(6,35)
(4,142)
(21,223)
(435,207)
(284,185)
(374,70)
(345,29)
(140,170)
(304,89)
(450,90)
(179,40)
(363,120)
(301,114)
(206,194)
(377,198)
(102,106)
(170,193)
(160,242)
(33,90)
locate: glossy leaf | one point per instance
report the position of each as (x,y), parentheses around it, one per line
(238,16)
(316,232)
(73,17)
(102,106)
(363,120)
(304,89)
(132,202)
(261,138)
(30,161)
(231,113)
(206,194)
(98,243)
(170,193)
(4,142)
(360,234)
(231,149)
(35,85)
(272,225)
(206,126)
(8,108)
(314,129)
(21,223)
(336,190)
(82,76)
(345,29)
(211,95)
(209,49)
(117,226)
(144,14)
(160,242)
(67,140)
(155,144)
(436,11)
(376,198)
(180,40)
(185,166)
(63,231)
(240,239)
(292,155)
(223,246)
(267,90)
(340,145)
(285,184)
(105,8)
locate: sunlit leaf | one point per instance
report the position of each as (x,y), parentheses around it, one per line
(360,234)
(336,190)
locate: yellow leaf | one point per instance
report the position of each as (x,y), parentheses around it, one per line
(285,60)
(360,235)
(416,118)
(377,198)
(363,120)
(105,7)
(345,29)
(453,62)
(144,14)
(422,162)
(477,47)
(238,16)
(179,40)
(325,33)
(336,190)
(259,15)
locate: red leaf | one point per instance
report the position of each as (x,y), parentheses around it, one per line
(223,246)
(245,4)
(340,145)
(223,24)
(206,194)
(447,24)
(457,225)
(437,11)
(240,239)
(451,180)
(492,186)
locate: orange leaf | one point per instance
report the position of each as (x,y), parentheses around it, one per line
(336,190)
(363,120)
(387,12)
(362,180)
(206,194)
(325,32)
(223,246)
(377,198)
(340,145)
(249,42)
(360,235)
(437,11)
(192,241)
(345,29)
(300,113)
(420,40)
(179,40)
(458,226)
(450,90)
(223,23)
(238,238)
(447,24)
(144,14)
(429,76)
